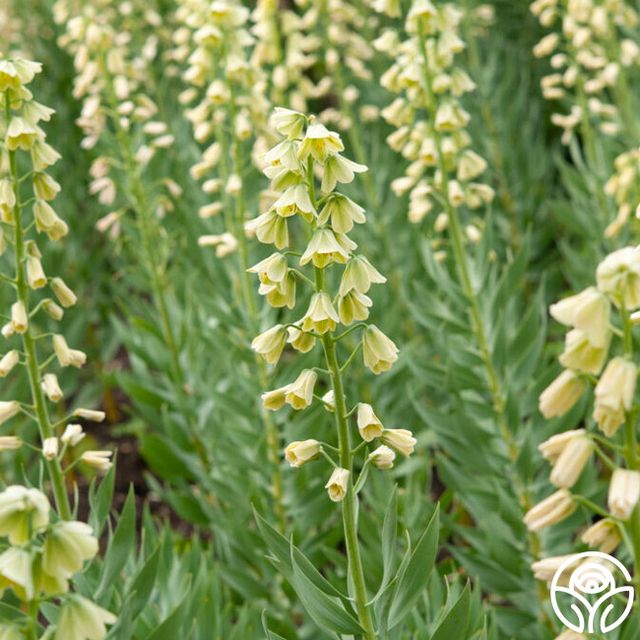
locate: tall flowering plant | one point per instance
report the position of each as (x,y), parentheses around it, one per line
(42,546)
(305,168)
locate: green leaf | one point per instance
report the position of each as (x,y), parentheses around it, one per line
(389,536)
(416,575)
(325,610)
(143,584)
(120,545)
(100,501)
(456,621)
(270,635)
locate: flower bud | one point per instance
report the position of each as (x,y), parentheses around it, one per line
(8,362)
(624,493)
(300,452)
(66,356)
(379,352)
(337,484)
(270,343)
(546,568)
(50,449)
(10,443)
(45,187)
(614,394)
(52,309)
(65,296)
(401,440)
(8,409)
(571,461)
(19,319)
(72,435)
(329,400)
(369,424)
(100,460)
(603,535)
(555,445)
(382,457)
(90,414)
(51,387)
(35,273)
(551,510)
(561,395)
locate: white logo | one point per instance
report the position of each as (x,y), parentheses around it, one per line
(591,591)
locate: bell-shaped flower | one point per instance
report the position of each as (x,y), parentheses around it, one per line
(320,143)
(321,316)
(338,484)
(379,352)
(302,451)
(581,355)
(561,394)
(369,424)
(326,247)
(359,275)
(587,311)
(336,169)
(23,513)
(67,546)
(81,619)
(342,211)
(618,276)
(353,307)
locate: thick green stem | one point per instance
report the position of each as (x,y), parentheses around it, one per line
(29,346)
(350,501)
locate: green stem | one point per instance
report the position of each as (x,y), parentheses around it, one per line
(28,343)
(457,241)
(350,501)
(271,429)
(157,275)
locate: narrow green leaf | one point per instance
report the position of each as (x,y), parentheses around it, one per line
(456,621)
(416,575)
(120,545)
(325,610)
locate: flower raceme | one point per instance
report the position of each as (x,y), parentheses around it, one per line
(310,149)
(46,547)
(330,282)
(598,350)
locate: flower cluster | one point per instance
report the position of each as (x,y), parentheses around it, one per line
(624,187)
(308,152)
(112,73)
(442,166)
(588,55)
(230,107)
(43,555)
(599,350)
(44,552)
